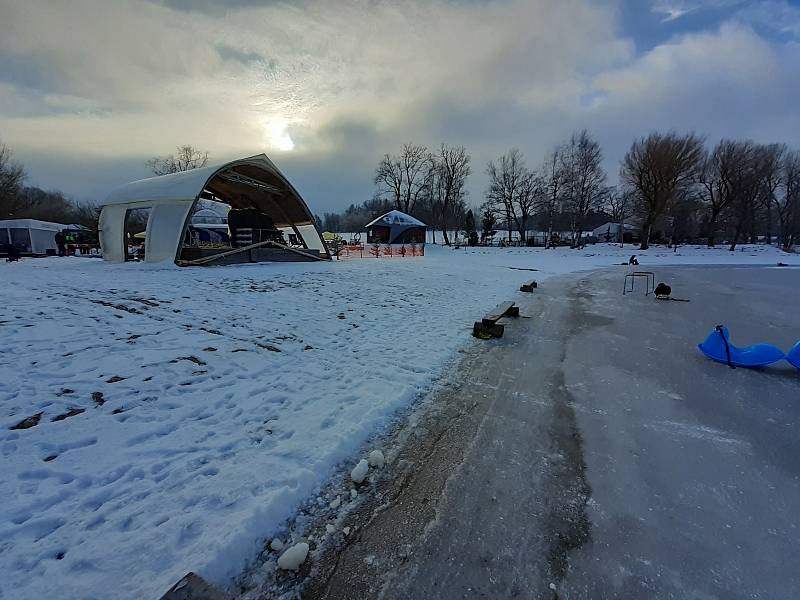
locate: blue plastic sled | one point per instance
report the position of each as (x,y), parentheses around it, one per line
(718,347)
(793,355)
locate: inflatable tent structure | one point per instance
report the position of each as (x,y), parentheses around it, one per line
(268,220)
(395,227)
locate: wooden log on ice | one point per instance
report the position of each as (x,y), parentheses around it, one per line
(489,327)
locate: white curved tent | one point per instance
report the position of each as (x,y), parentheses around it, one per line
(253,183)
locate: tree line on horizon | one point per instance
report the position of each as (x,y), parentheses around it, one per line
(671,186)
(18,201)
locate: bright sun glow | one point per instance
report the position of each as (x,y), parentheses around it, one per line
(276,134)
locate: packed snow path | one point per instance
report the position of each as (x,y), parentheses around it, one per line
(594,453)
(162,420)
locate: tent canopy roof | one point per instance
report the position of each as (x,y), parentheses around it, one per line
(32,224)
(395,217)
(253,182)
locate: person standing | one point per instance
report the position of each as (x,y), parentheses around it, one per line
(60,243)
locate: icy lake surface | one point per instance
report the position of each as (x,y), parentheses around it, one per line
(156,420)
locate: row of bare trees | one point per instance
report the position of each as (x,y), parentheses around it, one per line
(670,184)
(431,185)
(742,189)
(185,158)
(18,201)
(752,187)
(571,182)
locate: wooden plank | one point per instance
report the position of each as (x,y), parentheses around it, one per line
(528,287)
(498,312)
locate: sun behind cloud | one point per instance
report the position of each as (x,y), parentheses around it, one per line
(276,134)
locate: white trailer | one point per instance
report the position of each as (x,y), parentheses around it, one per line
(30,236)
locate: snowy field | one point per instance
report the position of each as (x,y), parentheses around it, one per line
(162,420)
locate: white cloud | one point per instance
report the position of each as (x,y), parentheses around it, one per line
(343,82)
(675,9)
(726,83)
(145,77)
(775,15)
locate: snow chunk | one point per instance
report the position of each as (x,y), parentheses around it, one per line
(353,494)
(346,530)
(276,544)
(376,459)
(330,528)
(359,472)
(293,557)
(336,503)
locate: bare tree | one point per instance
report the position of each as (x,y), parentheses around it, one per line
(454,165)
(619,205)
(506,177)
(389,179)
(656,169)
(772,163)
(584,179)
(788,203)
(403,179)
(717,178)
(529,196)
(185,158)
(11,177)
(747,178)
(448,178)
(416,161)
(552,176)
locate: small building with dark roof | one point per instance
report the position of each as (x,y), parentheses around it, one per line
(396,227)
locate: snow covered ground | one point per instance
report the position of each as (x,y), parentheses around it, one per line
(159,420)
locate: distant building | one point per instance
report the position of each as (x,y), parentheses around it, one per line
(30,236)
(612,231)
(396,227)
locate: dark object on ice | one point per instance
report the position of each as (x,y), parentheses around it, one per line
(633,260)
(663,291)
(488,327)
(194,587)
(11,252)
(717,346)
(650,281)
(528,287)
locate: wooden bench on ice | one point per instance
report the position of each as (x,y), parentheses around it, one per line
(489,326)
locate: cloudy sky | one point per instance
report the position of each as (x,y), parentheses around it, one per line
(89,89)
